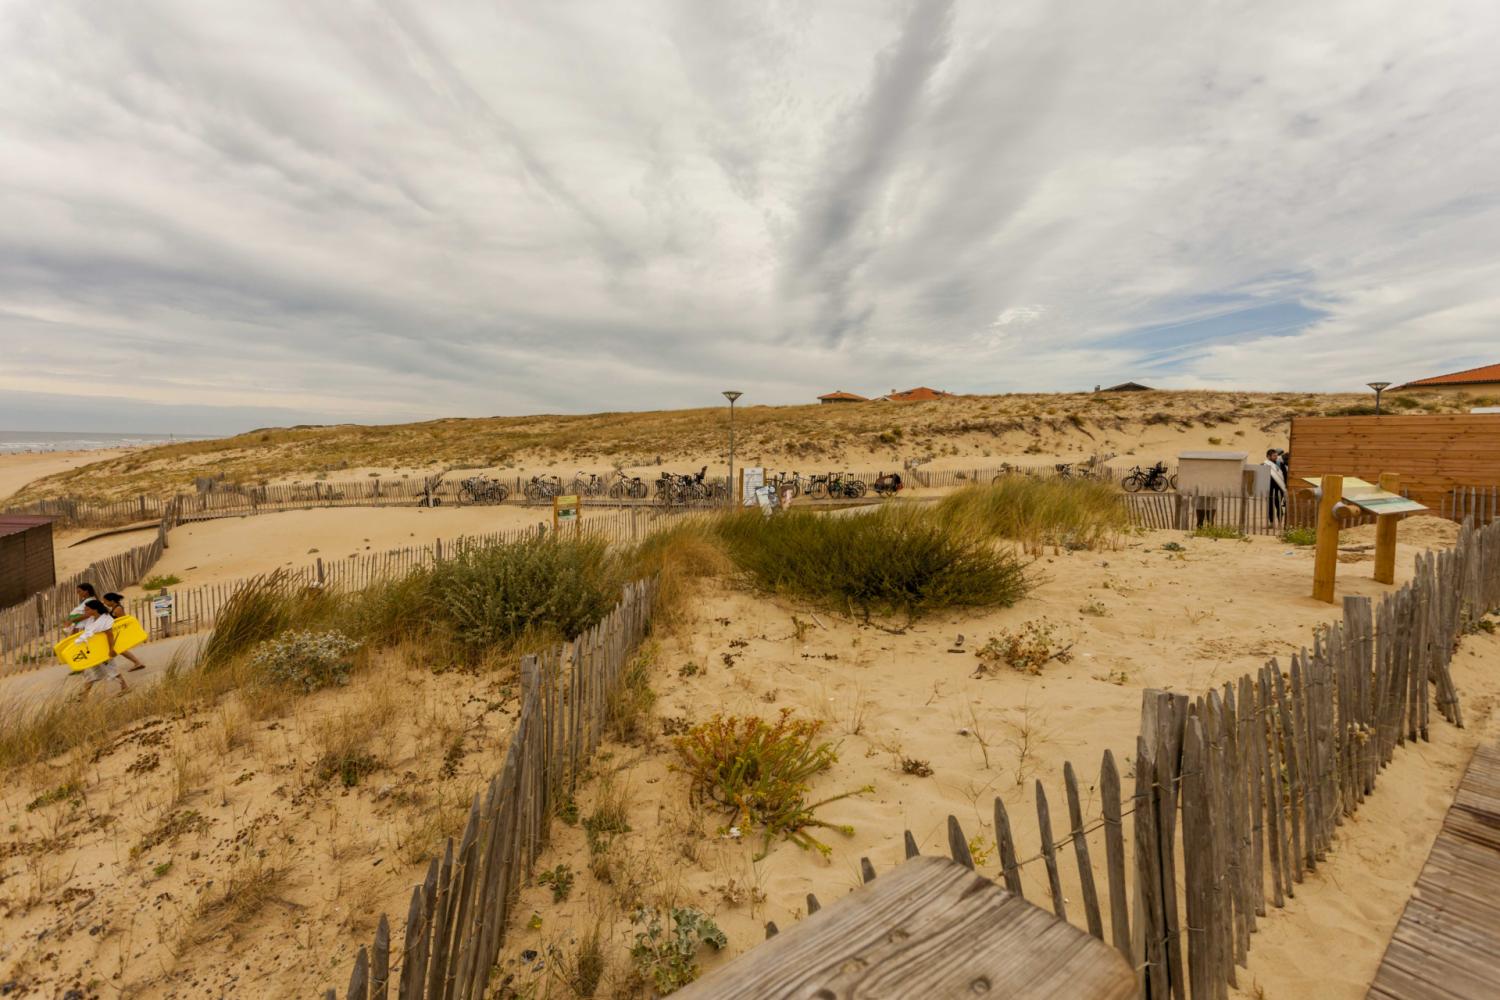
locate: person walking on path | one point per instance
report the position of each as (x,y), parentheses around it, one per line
(97,619)
(86,593)
(116,605)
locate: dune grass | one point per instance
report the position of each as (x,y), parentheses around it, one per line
(897,560)
(1036,512)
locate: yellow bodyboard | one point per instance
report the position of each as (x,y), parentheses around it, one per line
(78,656)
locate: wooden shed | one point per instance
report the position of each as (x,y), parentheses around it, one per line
(26,565)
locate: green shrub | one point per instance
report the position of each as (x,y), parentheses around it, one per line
(896,560)
(158,582)
(540,587)
(305,658)
(1404,403)
(1039,512)
(561,881)
(1300,536)
(666,959)
(1217,531)
(758,772)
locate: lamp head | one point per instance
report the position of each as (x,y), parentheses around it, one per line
(1378,386)
(732,394)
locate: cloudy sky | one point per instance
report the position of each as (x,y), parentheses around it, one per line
(216,214)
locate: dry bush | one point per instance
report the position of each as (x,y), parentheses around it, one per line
(1026,649)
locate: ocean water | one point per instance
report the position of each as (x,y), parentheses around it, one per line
(17,441)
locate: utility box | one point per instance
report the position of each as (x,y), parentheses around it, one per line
(26,565)
(1211,472)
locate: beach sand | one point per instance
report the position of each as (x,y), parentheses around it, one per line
(1136,617)
(16,470)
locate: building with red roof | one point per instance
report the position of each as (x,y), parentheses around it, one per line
(841,397)
(1481,381)
(920,394)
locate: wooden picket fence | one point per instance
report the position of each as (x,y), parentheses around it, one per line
(456,922)
(74,513)
(28,631)
(1481,503)
(1239,792)
(23,625)
(1247,513)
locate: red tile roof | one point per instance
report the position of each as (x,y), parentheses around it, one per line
(1484,373)
(841,394)
(918,395)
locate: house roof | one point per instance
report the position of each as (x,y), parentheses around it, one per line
(841,394)
(920,394)
(1484,373)
(12,524)
(1127,387)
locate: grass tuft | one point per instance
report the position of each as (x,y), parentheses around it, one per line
(1077,513)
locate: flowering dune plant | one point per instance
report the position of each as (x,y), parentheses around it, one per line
(759,773)
(307,658)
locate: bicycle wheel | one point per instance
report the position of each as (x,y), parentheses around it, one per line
(465,494)
(533,491)
(818,490)
(502,492)
(1131,483)
(856,488)
(1172,482)
(1157,484)
(637,489)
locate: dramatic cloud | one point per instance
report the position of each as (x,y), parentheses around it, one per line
(220,214)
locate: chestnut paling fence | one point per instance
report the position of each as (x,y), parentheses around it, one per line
(27,631)
(456,922)
(1238,793)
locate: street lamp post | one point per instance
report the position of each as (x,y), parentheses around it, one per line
(731,395)
(1379,387)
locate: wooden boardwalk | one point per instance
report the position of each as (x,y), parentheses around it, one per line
(931,929)
(1447,945)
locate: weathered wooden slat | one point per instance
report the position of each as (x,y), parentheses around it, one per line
(883,939)
(1081,854)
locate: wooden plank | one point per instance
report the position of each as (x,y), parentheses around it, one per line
(930,929)
(1447,942)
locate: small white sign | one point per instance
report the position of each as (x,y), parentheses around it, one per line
(161,607)
(752,480)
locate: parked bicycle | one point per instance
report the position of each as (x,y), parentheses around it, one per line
(1154,479)
(589,486)
(629,487)
(543,488)
(835,486)
(482,489)
(782,480)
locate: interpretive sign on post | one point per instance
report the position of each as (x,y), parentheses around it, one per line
(751,480)
(161,605)
(565,512)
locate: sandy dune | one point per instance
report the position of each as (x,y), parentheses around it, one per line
(19,469)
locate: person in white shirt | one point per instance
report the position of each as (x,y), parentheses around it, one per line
(97,619)
(76,616)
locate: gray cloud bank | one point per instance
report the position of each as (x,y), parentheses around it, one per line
(221,212)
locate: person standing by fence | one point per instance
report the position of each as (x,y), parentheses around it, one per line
(1276,483)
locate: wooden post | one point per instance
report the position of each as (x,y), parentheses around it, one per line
(1385,533)
(1326,562)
